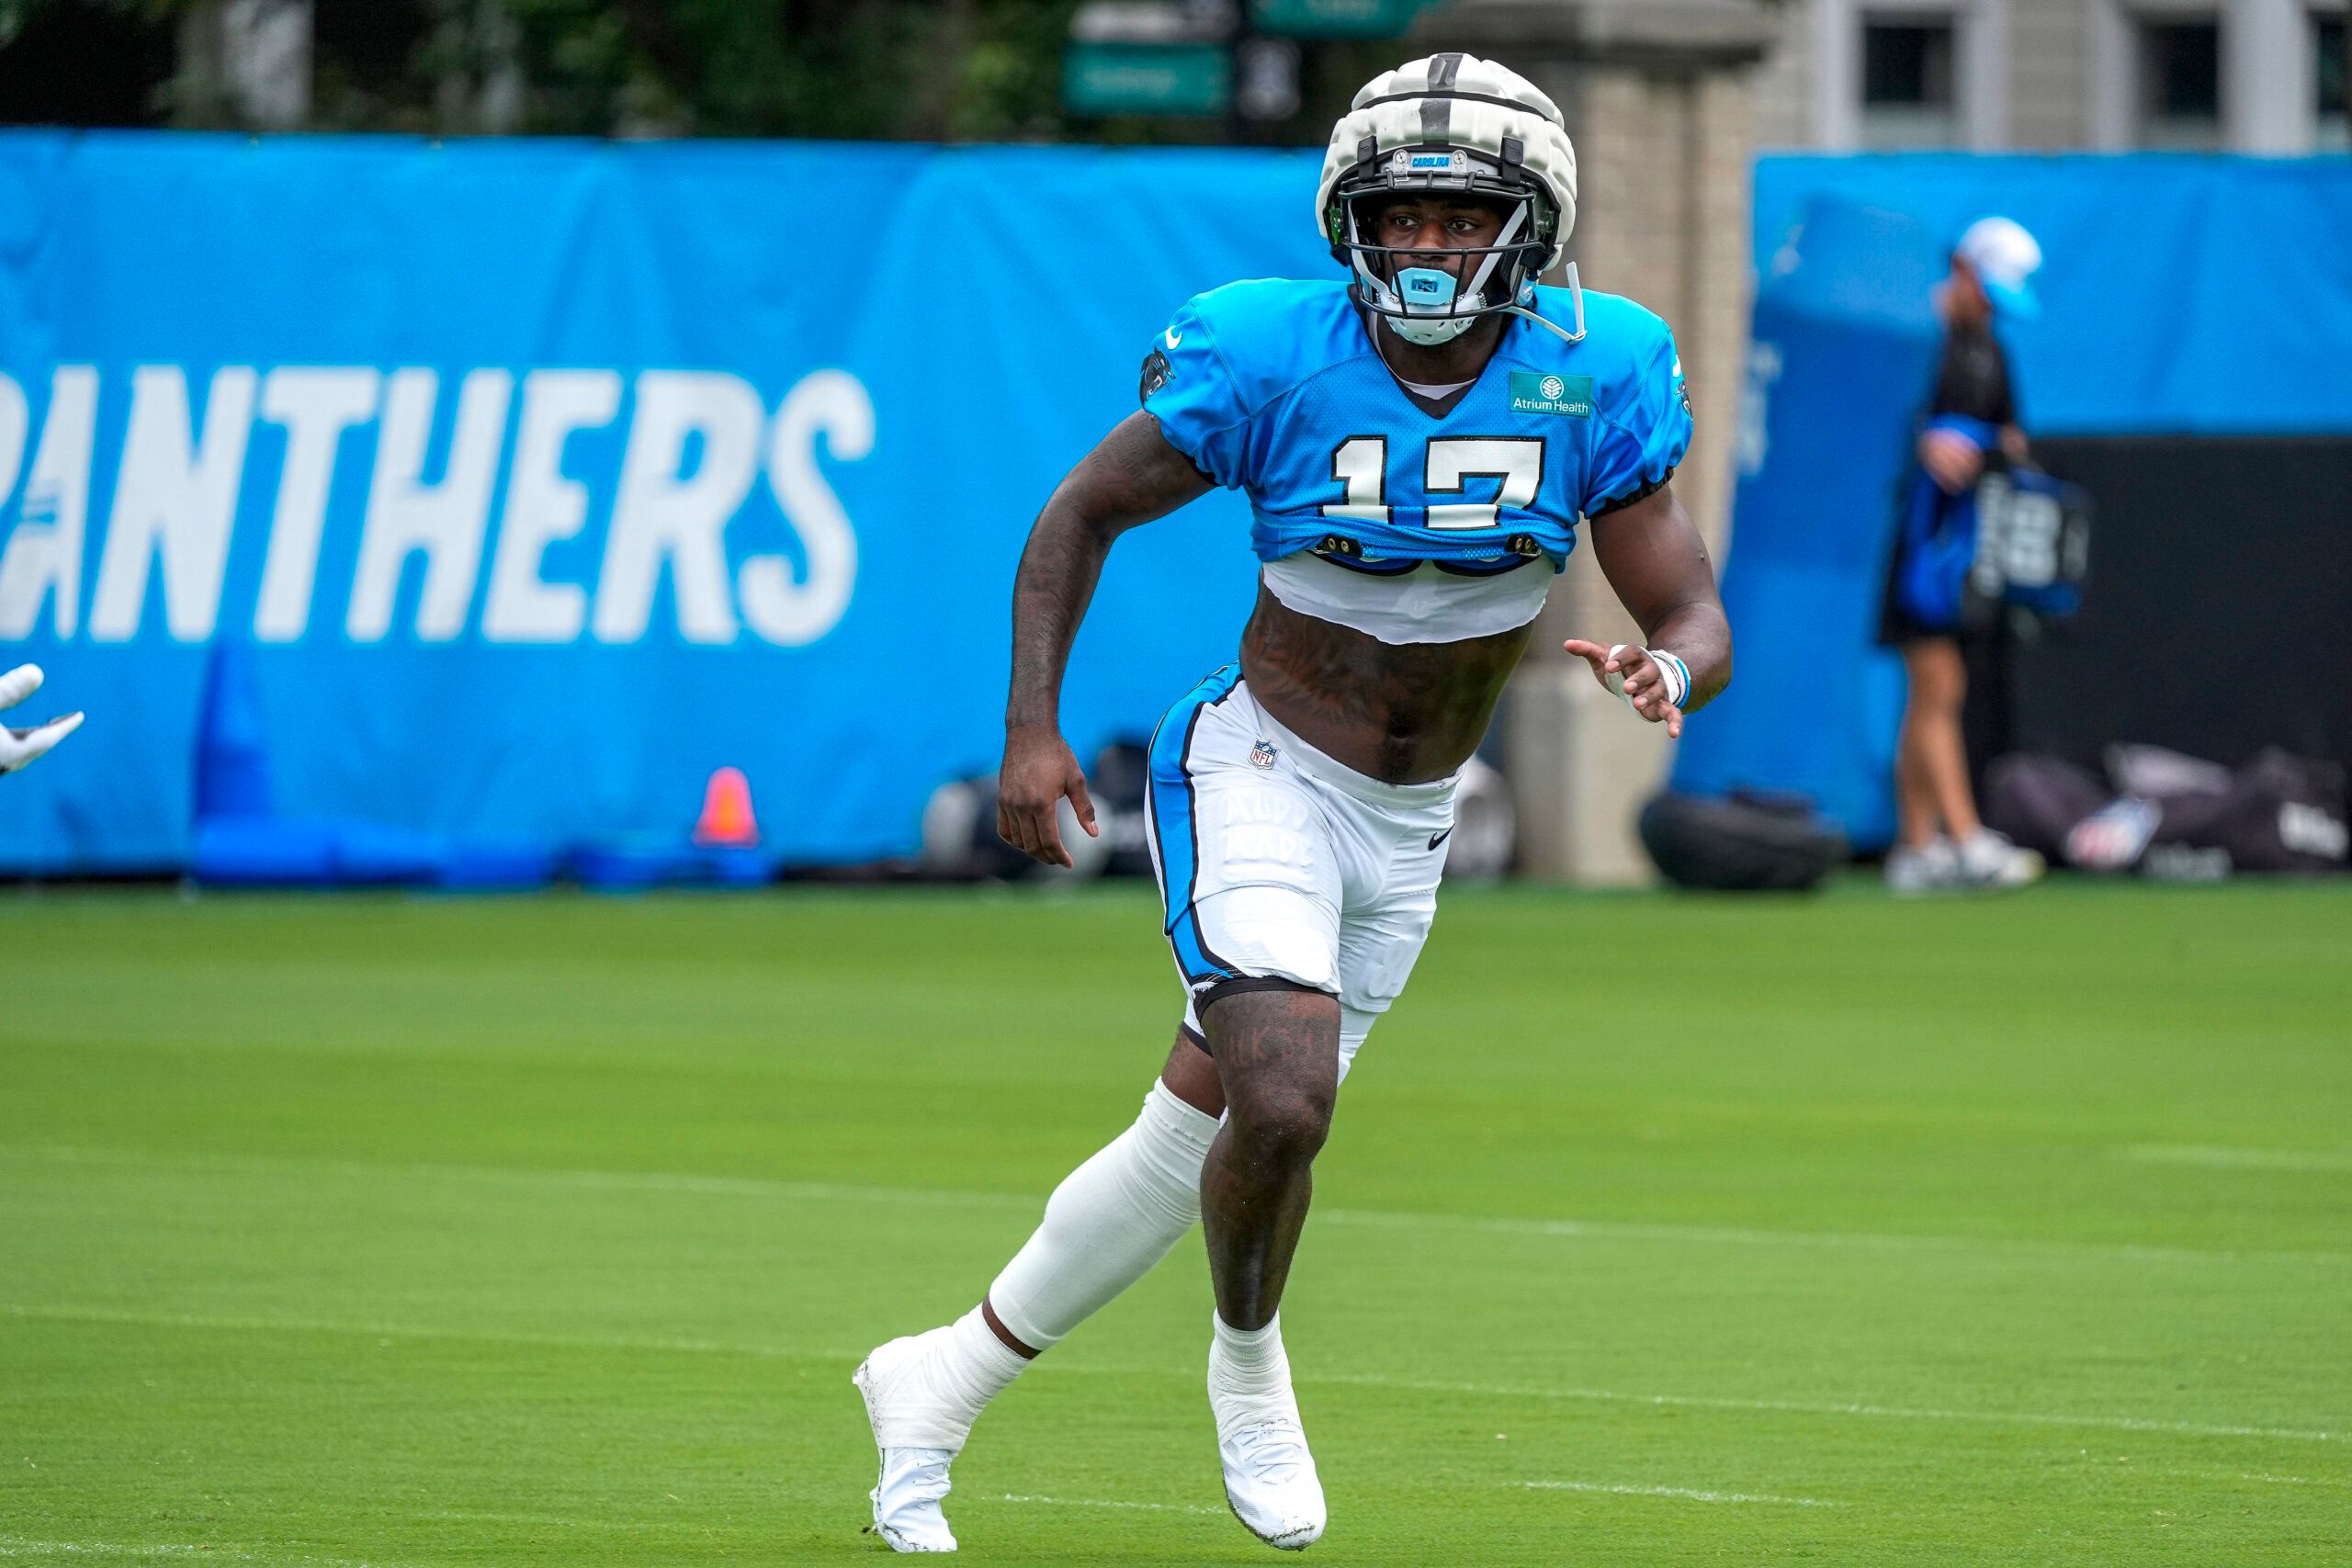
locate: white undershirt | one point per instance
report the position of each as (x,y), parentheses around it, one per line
(1424,604)
(1430,390)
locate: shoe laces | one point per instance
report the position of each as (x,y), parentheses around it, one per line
(1275,1449)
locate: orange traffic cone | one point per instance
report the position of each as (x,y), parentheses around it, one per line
(725,820)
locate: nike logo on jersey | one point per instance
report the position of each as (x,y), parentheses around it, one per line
(1174,337)
(1437,838)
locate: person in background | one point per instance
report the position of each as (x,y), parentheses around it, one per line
(1970,419)
(18,748)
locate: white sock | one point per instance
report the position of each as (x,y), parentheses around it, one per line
(981,1366)
(1248,1375)
(959,1371)
(1108,1223)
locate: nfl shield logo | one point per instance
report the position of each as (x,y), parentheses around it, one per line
(1262,755)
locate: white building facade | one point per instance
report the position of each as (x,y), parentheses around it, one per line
(2265,76)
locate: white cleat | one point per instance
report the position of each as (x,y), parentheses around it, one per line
(1932,867)
(1987,859)
(1271,1485)
(906,1498)
(914,1480)
(1270,1479)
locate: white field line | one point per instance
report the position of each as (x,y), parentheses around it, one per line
(839,1192)
(846,1358)
(1835,1408)
(1686,1492)
(17,1546)
(2285,1480)
(12,1547)
(1735,1235)
(234,1325)
(1104,1503)
(498,1516)
(2217,1158)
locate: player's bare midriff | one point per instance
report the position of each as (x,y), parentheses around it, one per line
(1405,713)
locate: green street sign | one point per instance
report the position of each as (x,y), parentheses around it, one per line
(1147,78)
(1334,19)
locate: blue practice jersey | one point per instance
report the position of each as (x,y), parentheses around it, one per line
(1275,388)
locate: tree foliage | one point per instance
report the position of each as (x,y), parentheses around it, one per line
(931,69)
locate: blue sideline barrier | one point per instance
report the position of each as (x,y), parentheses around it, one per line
(532,482)
(535,480)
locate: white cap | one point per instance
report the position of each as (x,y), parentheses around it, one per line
(2003,255)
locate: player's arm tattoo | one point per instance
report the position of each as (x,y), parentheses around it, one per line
(1131,478)
(1654,557)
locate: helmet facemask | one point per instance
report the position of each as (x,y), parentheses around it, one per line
(1431,305)
(1453,125)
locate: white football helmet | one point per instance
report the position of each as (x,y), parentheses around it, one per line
(1451,123)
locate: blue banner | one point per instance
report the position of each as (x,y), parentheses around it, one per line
(527,483)
(1842,349)
(2183,292)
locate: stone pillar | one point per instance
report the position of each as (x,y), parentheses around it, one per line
(1658,98)
(247,61)
(2267,78)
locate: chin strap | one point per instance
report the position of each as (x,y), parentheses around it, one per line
(1576,293)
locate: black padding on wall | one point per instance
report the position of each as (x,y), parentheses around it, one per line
(2219,618)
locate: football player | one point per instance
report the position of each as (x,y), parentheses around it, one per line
(1417,444)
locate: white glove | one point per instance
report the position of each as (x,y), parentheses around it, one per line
(19,747)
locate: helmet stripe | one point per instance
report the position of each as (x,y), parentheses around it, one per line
(1442,69)
(1466,97)
(1437,120)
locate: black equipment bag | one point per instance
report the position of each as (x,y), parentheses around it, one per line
(2177,817)
(2037,800)
(1741,843)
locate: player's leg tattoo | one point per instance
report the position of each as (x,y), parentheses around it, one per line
(1191,1075)
(1278,1055)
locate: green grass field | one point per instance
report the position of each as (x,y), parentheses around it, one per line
(1655,1230)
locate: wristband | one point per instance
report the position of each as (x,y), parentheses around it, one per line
(1676,673)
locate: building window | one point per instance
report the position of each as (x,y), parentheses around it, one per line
(1907,97)
(2181,85)
(2335,127)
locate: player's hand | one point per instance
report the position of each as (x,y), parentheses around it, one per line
(19,747)
(1951,459)
(1039,769)
(1632,670)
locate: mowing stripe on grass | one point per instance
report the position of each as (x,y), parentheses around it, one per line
(1493,1390)
(836,1192)
(2214,1159)
(1686,1492)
